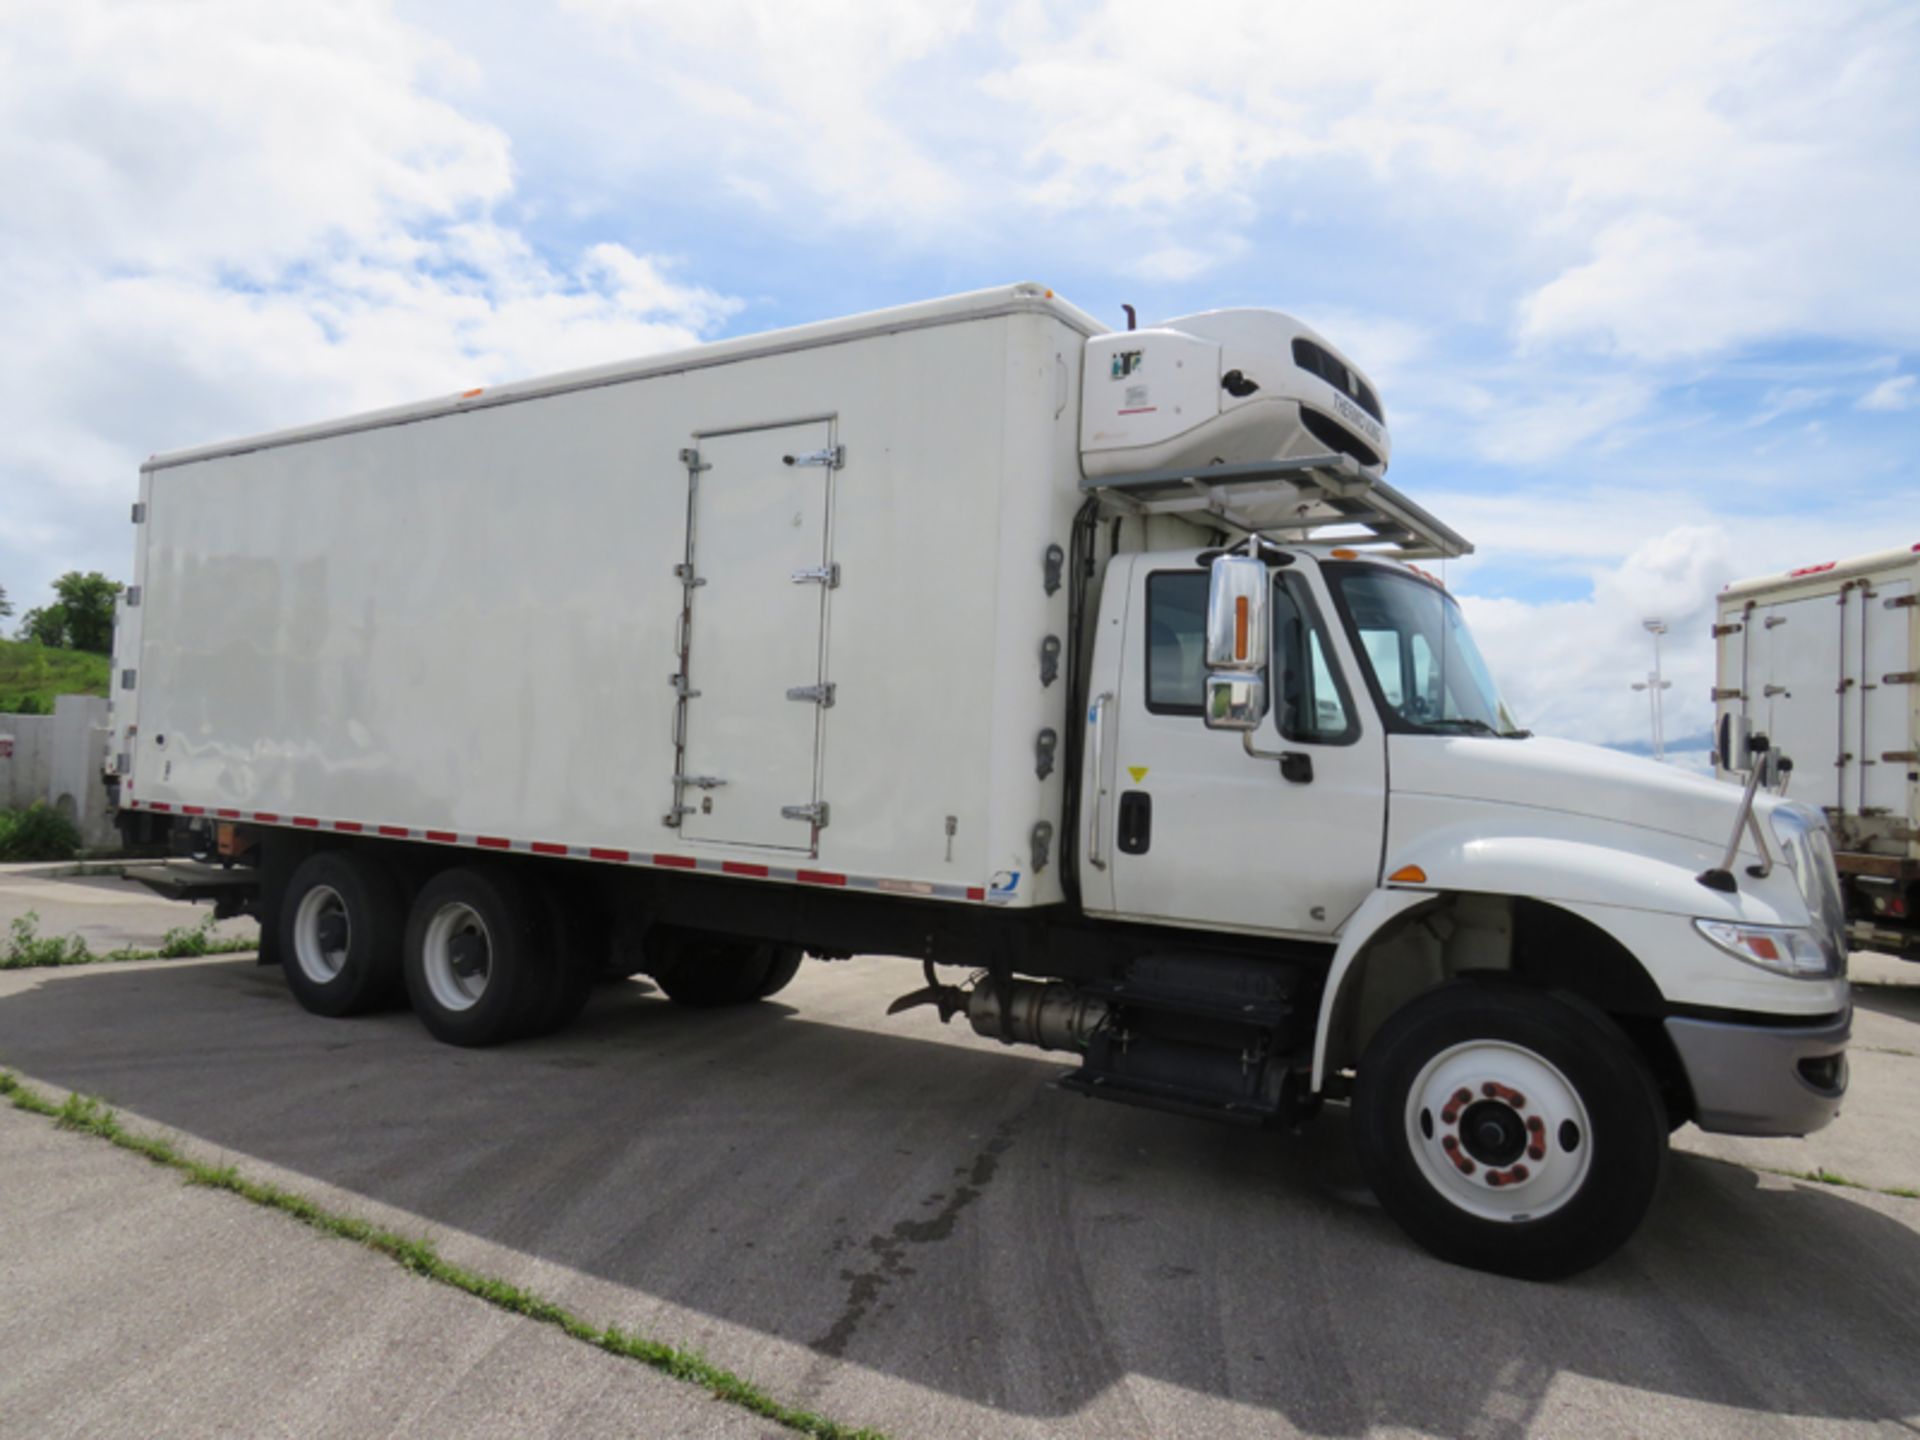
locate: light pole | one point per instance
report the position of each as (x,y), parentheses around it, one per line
(1653,685)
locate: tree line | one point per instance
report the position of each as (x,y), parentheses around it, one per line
(80,618)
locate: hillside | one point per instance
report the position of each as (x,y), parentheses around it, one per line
(31,675)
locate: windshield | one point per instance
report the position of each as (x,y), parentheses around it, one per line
(1424,662)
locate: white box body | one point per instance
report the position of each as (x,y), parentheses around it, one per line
(1823,660)
(460,621)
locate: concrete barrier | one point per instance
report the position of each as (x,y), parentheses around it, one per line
(56,759)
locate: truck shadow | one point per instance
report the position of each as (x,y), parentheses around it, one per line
(908,1205)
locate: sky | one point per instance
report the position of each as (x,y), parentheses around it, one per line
(1638,284)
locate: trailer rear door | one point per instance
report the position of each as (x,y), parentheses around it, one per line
(759,541)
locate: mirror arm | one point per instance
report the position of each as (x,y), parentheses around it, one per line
(1246,743)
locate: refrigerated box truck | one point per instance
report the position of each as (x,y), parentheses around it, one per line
(1826,660)
(974,633)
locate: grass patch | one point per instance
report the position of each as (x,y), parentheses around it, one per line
(87,1116)
(27,949)
(32,675)
(1824,1176)
(38,832)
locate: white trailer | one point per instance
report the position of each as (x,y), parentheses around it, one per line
(1825,660)
(973,633)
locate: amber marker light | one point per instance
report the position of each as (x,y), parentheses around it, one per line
(1409,875)
(1240,627)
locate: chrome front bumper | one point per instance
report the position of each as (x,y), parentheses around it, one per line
(1763,1079)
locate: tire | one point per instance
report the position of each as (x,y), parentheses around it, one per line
(477,962)
(339,931)
(708,972)
(1445,1109)
(576,944)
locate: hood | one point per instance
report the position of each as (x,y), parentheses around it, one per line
(1567,776)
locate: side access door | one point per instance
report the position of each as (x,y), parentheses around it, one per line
(752,680)
(1199,832)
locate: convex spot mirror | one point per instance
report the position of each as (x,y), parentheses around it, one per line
(1238,597)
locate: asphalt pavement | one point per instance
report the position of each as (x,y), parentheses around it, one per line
(890,1222)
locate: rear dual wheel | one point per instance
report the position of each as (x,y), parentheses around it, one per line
(710,971)
(487,959)
(339,928)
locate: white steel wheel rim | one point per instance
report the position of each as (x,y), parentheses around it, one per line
(318,961)
(1465,1146)
(453,985)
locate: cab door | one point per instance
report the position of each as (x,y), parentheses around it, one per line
(1202,833)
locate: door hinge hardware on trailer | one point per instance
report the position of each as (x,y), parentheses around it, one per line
(1901,757)
(682,680)
(953,826)
(133,596)
(1901,677)
(815,814)
(1773,620)
(1767,692)
(1049,660)
(1901,602)
(1731,628)
(1721,692)
(821,695)
(833,457)
(827,575)
(127,678)
(139,512)
(700,782)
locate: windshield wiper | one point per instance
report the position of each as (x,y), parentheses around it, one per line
(1466,724)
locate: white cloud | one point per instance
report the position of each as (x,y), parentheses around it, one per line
(1568,667)
(1894,394)
(258,219)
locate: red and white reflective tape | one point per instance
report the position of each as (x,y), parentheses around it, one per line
(740,869)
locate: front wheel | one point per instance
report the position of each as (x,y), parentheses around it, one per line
(1509,1129)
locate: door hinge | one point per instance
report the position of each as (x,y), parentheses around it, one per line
(833,457)
(827,575)
(139,512)
(821,695)
(1901,757)
(1902,602)
(1773,620)
(700,782)
(1901,677)
(1731,628)
(815,814)
(1767,692)
(1722,693)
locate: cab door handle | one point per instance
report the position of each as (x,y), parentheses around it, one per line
(1136,822)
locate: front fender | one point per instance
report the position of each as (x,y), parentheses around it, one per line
(1646,902)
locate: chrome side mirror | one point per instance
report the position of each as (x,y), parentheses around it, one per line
(1238,601)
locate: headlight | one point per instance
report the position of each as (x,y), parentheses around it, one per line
(1778,948)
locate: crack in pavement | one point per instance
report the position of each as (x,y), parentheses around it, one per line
(890,1250)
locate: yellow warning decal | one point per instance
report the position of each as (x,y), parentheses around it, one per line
(1139,773)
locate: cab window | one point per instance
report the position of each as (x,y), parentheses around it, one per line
(1309,697)
(1176,641)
